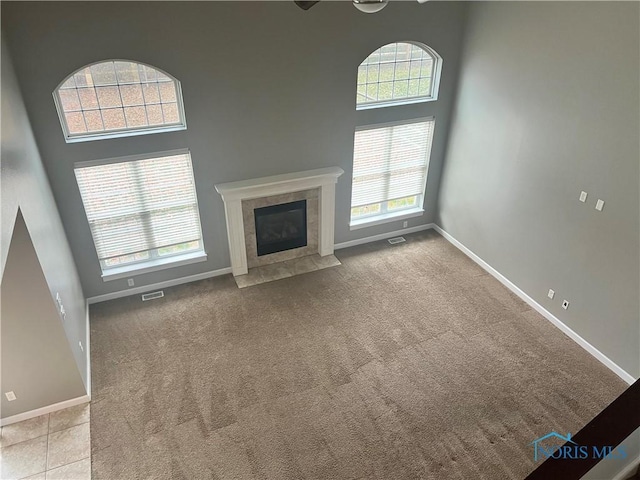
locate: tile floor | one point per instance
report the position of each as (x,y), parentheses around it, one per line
(56,446)
(288,268)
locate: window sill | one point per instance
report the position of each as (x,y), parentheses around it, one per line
(123,133)
(118,273)
(395,103)
(385,218)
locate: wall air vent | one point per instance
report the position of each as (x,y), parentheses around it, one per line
(152,296)
(395,240)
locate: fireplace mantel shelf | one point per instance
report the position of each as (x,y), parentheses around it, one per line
(276,184)
(324,179)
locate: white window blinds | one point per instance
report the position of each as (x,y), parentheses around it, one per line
(391,161)
(141,205)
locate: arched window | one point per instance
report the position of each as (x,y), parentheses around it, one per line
(397,73)
(391,160)
(118,98)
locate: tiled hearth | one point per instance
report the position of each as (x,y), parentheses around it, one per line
(288,268)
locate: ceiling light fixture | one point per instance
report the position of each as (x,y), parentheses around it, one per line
(370,6)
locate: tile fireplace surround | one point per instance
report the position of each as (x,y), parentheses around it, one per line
(233,193)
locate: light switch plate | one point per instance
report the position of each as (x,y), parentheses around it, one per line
(583,197)
(10,396)
(599,205)
(551,293)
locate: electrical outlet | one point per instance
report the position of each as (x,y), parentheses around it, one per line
(130,282)
(583,196)
(565,304)
(405,224)
(599,205)
(551,293)
(10,396)
(58,299)
(81,347)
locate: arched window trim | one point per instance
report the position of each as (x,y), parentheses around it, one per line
(435,85)
(124,132)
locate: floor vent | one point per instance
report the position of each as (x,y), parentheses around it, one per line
(395,240)
(152,296)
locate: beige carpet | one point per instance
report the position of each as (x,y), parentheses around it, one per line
(405,362)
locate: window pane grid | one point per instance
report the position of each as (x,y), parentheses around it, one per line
(127,95)
(100,69)
(395,64)
(94,109)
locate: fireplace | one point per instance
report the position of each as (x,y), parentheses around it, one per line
(256,193)
(281,227)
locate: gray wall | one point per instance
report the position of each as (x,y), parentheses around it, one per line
(548,106)
(24,186)
(37,363)
(268,89)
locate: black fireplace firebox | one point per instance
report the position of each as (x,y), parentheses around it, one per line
(281,227)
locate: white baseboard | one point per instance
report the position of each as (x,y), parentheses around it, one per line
(223,271)
(87,347)
(155,286)
(44,410)
(539,308)
(628,470)
(383,236)
(501,278)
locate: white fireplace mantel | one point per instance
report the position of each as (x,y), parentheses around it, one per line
(234,192)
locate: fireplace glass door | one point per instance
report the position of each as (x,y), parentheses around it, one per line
(281,227)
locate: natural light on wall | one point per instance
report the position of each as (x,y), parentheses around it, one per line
(118,98)
(142,212)
(390,164)
(398,73)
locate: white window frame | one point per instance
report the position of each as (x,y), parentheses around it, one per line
(123,132)
(435,81)
(156,262)
(148,266)
(385,215)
